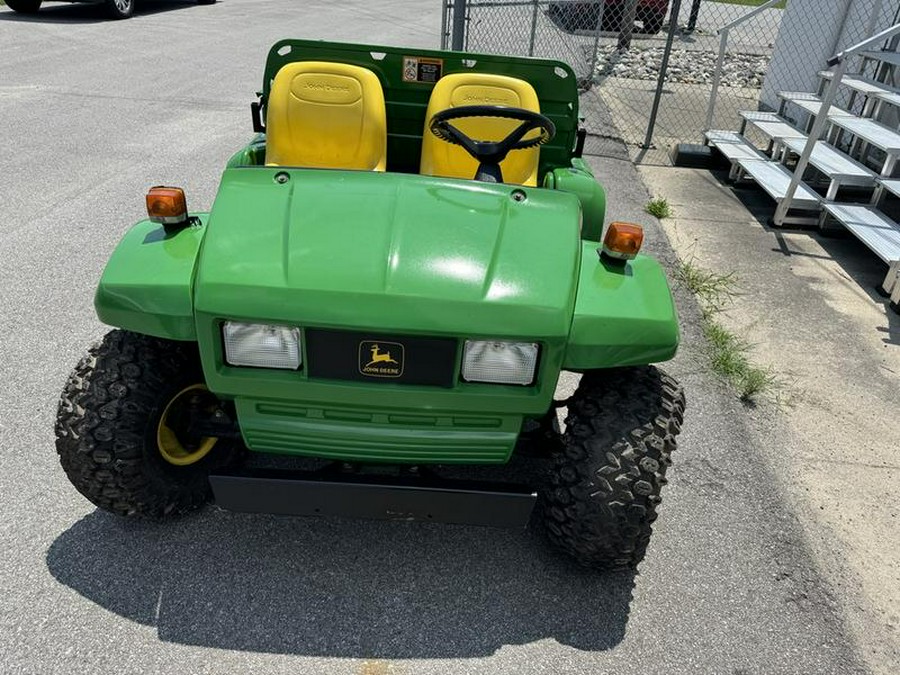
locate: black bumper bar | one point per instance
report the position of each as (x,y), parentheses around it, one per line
(378,497)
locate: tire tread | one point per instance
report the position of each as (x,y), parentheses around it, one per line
(106,420)
(605,485)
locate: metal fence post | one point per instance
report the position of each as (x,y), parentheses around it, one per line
(534,18)
(628,17)
(670,38)
(445,12)
(597,30)
(459,25)
(692,19)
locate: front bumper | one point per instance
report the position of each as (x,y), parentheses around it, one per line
(375,497)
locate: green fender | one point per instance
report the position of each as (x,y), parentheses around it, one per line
(147,286)
(624,314)
(579,180)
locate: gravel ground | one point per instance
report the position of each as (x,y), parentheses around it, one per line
(685,66)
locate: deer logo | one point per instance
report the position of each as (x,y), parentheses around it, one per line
(378,357)
(381,359)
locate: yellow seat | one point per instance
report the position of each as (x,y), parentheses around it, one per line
(326,115)
(440,158)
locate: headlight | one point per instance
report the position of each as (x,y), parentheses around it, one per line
(262,346)
(499,362)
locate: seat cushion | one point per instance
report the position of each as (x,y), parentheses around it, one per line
(440,158)
(326,115)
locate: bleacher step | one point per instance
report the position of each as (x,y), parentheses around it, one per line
(860,83)
(870,226)
(892,185)
(811,103)
(771,125)
(834,163)
(892,58)
(774,178)
(732,145)
(871,132)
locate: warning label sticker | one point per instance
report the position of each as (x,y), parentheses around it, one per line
(421,69)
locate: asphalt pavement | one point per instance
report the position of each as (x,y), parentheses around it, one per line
(94,112)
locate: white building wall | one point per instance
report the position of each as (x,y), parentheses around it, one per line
(811,32)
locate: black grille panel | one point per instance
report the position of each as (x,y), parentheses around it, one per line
(379,357)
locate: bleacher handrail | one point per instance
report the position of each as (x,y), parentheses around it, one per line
(886,34)
(749,15)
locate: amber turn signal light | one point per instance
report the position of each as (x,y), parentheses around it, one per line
(167,205)
(623,241)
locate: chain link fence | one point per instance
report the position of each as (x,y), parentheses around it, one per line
(650,68)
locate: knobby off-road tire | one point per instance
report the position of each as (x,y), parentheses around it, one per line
(107,425)
(605,485)
(24,6)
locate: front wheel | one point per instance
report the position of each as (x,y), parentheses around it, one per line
(124,427)
(24,6)
(605,483)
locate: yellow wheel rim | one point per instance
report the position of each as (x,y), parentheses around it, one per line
(170,446)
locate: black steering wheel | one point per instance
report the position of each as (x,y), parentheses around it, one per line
(490,153)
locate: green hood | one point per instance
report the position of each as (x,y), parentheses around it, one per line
(396,252)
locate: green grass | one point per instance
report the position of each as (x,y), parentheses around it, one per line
(728,354)
(660,208)
(728,358)
(715,290)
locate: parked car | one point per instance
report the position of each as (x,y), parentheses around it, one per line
(117,9)
(573,15)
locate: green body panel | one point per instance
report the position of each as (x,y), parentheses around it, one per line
(146,286)
(390,251)
(579,180)
(624,314)
(406,102)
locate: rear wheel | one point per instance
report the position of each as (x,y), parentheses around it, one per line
(120,9)
(605,483)
(124,433)
(24,6)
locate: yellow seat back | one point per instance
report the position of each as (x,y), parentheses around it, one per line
(440,158)
(326,115)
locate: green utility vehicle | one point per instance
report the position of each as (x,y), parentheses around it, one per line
(373,318)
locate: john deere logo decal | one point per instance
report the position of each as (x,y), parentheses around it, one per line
(381,359)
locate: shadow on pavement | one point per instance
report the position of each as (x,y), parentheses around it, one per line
(91,12)
(339,588)
(853,257)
